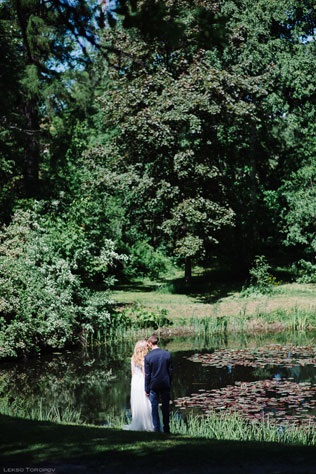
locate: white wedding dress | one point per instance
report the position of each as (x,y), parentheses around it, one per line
(140,403)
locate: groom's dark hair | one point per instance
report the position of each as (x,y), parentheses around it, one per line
(153,339)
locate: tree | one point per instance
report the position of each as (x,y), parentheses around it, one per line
(299,217)
(46,46)
(272,45)
(167,108)
(208,108)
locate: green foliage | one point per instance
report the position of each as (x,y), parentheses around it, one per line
(305,271)
(200,218)
(203,137)
(299,216)
(142,318)
(274,42)
(165,288)
(43,83)
(145,261)
(43,303)
(261,280)
(38,291)
(166,133)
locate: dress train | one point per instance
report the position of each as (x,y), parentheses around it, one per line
(140,404)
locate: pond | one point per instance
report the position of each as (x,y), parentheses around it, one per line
(255,375)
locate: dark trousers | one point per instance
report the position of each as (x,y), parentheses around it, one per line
(155,396)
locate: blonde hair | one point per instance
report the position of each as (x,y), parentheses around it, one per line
(140,350)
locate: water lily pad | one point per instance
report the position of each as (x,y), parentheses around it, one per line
(278,401)
(272,355)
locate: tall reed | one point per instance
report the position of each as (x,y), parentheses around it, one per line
(40,412)
(233,427)
(301,320)
(294,319)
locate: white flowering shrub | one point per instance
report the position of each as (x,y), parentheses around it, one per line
(43,303)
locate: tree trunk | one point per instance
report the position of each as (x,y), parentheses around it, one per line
(31,149)
(253,198)
(188,272)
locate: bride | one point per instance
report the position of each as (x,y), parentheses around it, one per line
(140,404)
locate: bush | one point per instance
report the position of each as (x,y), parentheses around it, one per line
(261,280)
(144,319)
(305,271)
(43,303)
(145,261)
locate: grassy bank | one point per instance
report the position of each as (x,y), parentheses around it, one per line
(220,300)
(215,307)
(71,448)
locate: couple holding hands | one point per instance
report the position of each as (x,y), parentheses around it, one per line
(151,383)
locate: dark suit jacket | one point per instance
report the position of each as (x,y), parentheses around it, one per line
(158,370)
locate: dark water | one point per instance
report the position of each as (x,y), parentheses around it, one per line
(96,382)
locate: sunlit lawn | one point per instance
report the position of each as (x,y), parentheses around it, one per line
(219,301)
(73,448)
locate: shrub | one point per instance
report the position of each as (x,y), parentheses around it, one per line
(143,319)
(305,271)
(43,303)
(261,280)
(145,261)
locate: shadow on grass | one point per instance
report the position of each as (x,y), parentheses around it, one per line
(207,287)
(136,286)
(67,448)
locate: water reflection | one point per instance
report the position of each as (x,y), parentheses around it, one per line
(97,382)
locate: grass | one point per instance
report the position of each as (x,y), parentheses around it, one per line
(40,412)
(222,426)
(214,298)
(72,448)
(214,425)
(232,427)
(290,307)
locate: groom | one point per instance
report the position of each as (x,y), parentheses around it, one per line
(158,372)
